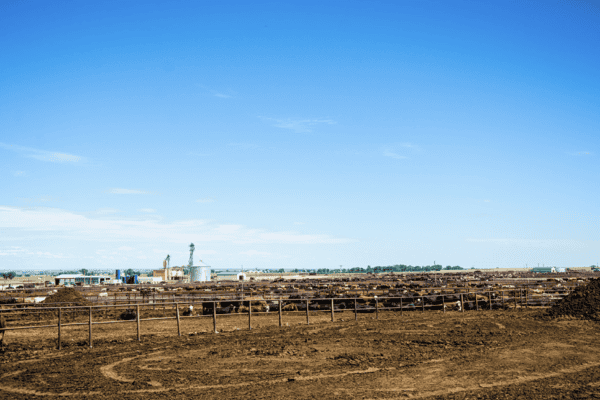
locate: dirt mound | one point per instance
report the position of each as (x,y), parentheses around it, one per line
(583,302)
(67,296)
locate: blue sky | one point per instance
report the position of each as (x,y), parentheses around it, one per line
(299,134)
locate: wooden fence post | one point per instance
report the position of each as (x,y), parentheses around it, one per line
(90,328)
(521,297)
(215,316)
(59,333)
(307,320)
(332,317)
(476,302)
(249,315)
(422,304)
(178,321)
(355,310)
(502,294)
(527,298)
(490,298)
(137,316)
(401,308)
(280,313)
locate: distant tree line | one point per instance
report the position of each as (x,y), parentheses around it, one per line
(369,269)
(390,268)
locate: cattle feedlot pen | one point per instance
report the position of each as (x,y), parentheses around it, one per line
(398,303)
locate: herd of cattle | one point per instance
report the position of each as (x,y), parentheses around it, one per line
(391,293)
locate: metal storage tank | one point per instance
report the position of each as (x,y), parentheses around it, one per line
(200,273)
(205,274)
(135,279)
(119,274)
(194,274)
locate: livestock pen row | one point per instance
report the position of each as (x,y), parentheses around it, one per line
(535,289)
(20,319)
(382,285)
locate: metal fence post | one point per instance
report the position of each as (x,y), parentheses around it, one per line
(355,310)
(59,333)
(90,327)
(527,298)
(476,302)
(422,304)
(178,322)
(490,297)
(376,309)
(137,316)
(502,294)
(444,303)
(462,303)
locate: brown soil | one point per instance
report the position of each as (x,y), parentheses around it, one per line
(67,297)
(486,354)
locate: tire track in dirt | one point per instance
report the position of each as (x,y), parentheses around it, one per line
(516,381)
(108,372)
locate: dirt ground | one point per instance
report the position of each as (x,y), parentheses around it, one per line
(472,355)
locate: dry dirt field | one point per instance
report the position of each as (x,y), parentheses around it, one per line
(472,355)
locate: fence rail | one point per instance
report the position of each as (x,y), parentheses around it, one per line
(503,299)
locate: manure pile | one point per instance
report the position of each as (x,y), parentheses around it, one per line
(583,302)
(68,297)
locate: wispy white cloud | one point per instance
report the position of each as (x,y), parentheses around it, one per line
(556,244)
(391,154)
(69,225)
(245,146)
(147,210)
(197,154)
(298,125)
(43,155)
(255,253)
(222,95)
(396,150)
(16,251)
(41,199)
(12,251)
(228,94)
(106,210)
(127,191)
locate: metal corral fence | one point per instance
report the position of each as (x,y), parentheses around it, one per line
(504,299)
(128,298)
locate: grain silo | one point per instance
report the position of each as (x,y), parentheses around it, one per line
(200,273)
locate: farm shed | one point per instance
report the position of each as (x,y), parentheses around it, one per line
(544,270)
(72,279)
